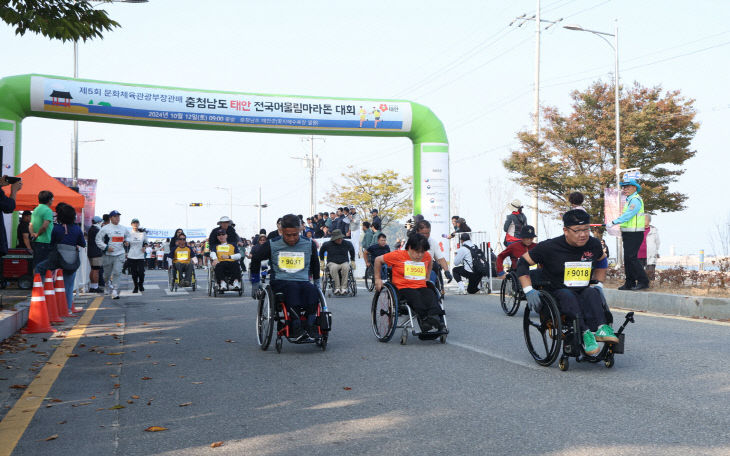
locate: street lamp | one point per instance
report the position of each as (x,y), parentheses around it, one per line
(614,46)
(260,206)
(230,196)
(75,150)
(75,158)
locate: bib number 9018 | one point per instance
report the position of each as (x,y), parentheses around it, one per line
(577,274)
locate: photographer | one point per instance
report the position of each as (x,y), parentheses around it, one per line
(7,205)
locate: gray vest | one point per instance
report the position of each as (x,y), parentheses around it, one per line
(291,262)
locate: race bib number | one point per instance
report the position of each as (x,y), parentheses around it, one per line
(182,255)
(413,270)
(577,274)
(291,261)
(117,238)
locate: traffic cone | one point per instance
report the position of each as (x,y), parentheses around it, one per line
(61,295)
(61,303)
(50,294)
(38,314)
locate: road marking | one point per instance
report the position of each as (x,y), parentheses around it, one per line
(13,426)
(492,354)
(180,292)
(673,317)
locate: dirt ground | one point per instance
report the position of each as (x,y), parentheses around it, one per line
(12,295)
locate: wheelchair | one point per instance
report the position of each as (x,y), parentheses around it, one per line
(328,283)
(215,290)
(272,311)
(262,274)
(551,331)
(370,277)
(387,307)
(510,294)
(174,279)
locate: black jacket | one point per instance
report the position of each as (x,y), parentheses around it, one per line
(337,253)
(7,205)
(232,237)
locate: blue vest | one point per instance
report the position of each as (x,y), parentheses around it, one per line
(291,262)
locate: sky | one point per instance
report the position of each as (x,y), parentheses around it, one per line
(462,59)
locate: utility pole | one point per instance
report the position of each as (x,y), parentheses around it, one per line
(312,162)
(520,21)
(260,206)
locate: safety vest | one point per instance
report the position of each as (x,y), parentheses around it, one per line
(637,223)
(291,262)
(227,249)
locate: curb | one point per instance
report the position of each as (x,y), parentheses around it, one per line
(12,320)
(670,304)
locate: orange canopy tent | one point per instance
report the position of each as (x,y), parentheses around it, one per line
(35,180)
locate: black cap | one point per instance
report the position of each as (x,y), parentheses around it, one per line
(527,232)
(26,213)
(576,217)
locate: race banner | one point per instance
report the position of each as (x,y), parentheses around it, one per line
(157,233)
(87,187)
(110,100)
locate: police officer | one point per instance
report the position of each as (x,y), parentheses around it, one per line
(292,260)
(632,224)
(569,262)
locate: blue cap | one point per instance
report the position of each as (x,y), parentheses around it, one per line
(631,182)
(113,213)
(96,219)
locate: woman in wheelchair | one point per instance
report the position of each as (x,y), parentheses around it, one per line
(225,261)
(181,260)
(410,268)
(568,264)
(292,261)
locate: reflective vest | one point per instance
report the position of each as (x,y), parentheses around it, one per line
(227,249)
(637,223)
(291,262)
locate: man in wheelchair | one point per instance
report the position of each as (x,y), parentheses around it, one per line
(292,260)
(568,263)
(410,268)
(340,259)
(225,261)
(181,260)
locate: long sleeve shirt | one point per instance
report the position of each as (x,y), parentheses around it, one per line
(631,211)
(513,252)
(337,253)
(110,239)
(263,252)
(137,240)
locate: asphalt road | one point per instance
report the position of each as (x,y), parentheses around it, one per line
(190,363)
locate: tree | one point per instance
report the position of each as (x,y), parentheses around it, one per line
(578,152)
(66,20)
(385,191)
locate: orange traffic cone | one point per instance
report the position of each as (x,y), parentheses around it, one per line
(50,294)
(61,295)
(38,314)
(61,304)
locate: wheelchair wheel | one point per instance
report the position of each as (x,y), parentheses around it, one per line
(265,319)
(543,331)
(509,293)
(325,283)
(194,281)
(384,313)
(369,278)
(278,344)
(210,280)
(351,284)
(240,286)
(171,279)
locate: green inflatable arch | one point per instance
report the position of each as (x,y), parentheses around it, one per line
(59,97)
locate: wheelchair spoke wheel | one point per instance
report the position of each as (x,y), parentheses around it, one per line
(210,282)
(352,284)
(384,313)
(543,331)
(265,320)
(509,293)
(369,278)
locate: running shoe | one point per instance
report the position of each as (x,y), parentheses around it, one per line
(605,334)
(236,284)
(589,343)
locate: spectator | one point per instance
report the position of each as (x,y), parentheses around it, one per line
(94,253)
(367,238)
(40,227)
(329,220)
(650,248)
(576,201)
(461,226)
(514,223)
(66,238)
(454,221)
(462,266)
(23,232)
(375,217)
(7,204)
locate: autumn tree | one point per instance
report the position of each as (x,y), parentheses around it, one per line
(385,191)
(579,149)
(65,20)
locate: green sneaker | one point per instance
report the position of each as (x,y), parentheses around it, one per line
(589,343)
(605,334)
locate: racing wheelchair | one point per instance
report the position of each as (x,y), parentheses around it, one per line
(547,331)
(328,283)
(387,307)
(214,289)
(273,311)
(174,279)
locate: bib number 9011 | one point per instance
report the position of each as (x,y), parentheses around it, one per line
(291,261)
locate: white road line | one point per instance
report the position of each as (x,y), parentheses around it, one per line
(492,354)
(176,293)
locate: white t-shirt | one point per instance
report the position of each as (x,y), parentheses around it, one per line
(136,241)
(435,251)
